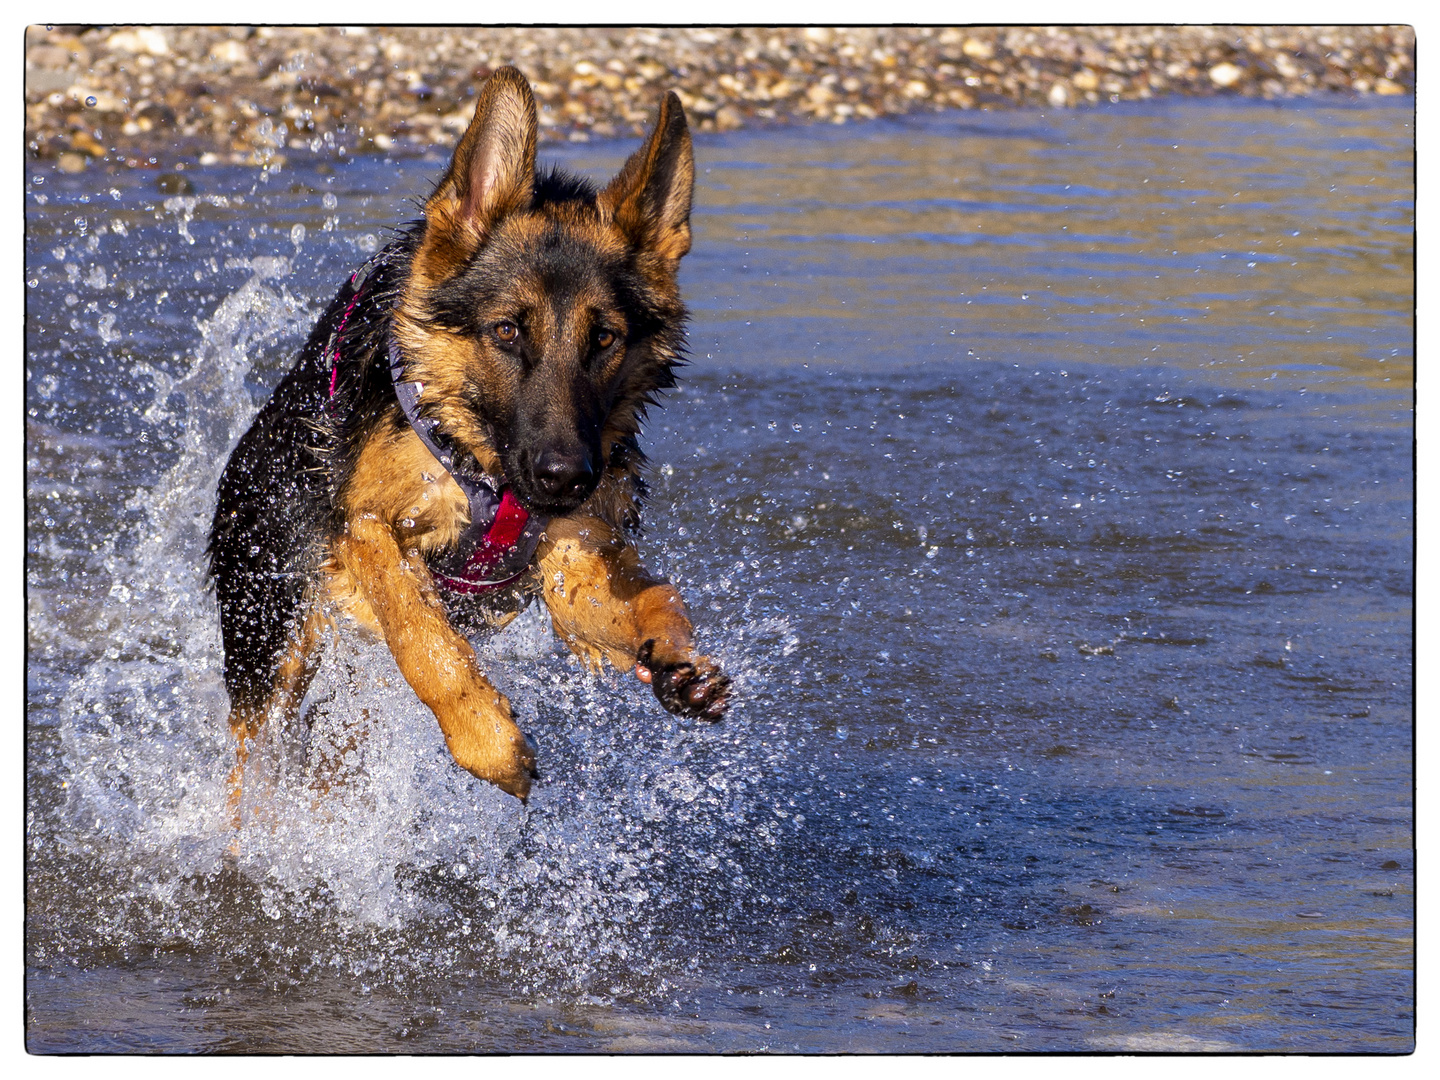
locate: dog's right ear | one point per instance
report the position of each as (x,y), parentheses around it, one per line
(493,171)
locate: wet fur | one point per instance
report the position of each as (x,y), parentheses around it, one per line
(330,506)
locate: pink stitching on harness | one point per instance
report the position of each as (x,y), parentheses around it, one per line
(339,332)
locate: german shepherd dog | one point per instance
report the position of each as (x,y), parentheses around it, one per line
(459,435)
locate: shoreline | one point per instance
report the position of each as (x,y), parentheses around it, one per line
(176,96)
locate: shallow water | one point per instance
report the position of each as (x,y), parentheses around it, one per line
(1045,480)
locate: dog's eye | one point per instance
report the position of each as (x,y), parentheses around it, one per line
(507,332)
(604,339)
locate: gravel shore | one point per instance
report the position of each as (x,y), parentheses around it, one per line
(168,97)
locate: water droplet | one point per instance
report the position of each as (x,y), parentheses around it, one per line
(90,101)
(297,235)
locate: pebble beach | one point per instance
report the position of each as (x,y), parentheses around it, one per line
(169,98)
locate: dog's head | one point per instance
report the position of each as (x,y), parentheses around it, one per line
(541,314)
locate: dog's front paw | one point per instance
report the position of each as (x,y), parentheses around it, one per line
(489,745)
(515,777)
(695,688)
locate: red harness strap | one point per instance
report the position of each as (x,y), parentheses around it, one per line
(500,543)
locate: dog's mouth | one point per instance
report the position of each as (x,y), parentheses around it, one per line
(540,507)
(550,507)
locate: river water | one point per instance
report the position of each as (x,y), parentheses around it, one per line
(1044,479)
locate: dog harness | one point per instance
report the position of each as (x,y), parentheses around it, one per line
(498,544)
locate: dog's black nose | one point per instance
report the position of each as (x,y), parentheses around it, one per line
(564,476)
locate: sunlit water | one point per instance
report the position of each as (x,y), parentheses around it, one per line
(1045,482)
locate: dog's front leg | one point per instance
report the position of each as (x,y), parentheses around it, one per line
(435,659)
(603,603)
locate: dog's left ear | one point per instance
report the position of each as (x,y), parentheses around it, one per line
(650,199)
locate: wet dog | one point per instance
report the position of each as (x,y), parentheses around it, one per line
(459,435)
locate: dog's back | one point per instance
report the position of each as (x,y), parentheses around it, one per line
(275,511)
